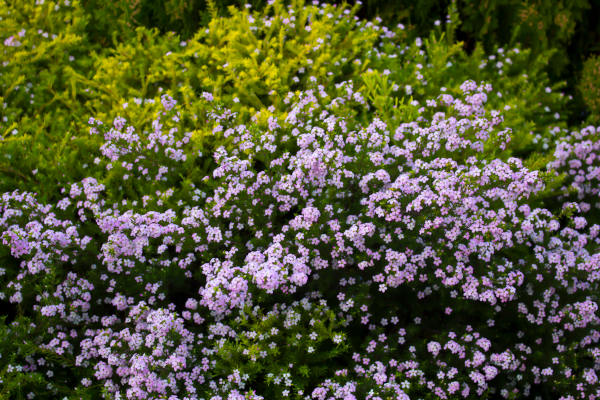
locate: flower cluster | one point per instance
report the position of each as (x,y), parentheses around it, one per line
(576,156)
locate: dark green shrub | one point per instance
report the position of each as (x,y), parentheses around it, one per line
(589,87)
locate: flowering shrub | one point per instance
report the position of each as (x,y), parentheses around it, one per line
(318,257)
(576,157)
(369,224)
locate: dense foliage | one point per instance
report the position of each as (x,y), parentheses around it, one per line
(589,86)
(292,202)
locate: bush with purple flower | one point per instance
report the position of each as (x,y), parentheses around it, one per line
(337,246)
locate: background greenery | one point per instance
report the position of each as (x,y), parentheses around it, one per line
(571,28)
